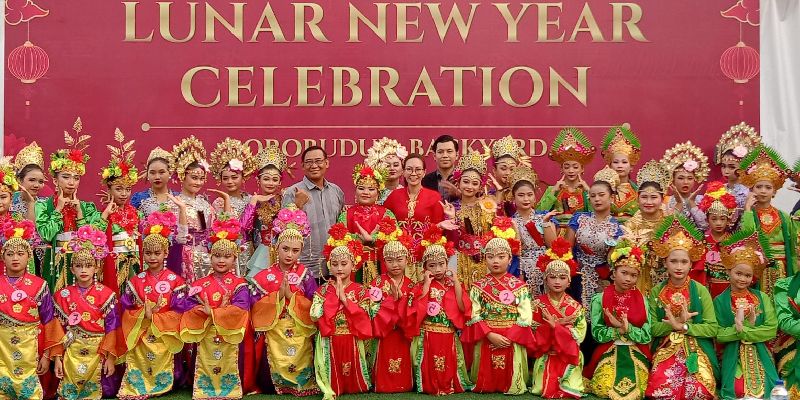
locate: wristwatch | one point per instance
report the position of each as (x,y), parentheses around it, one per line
(685,327)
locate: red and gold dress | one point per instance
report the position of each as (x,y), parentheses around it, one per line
(436,352)
(415,215)
(715,275)
(626,202)
(391,364)
(340,355)
(781,231)
(122,262)
(558,370)
(503,306)
(368,218)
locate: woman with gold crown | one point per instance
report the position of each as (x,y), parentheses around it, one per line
(474,214)
(560,328)
(621,150)
(733,146)
(188,159)
(232,165)
(29,171)
(746,320)
(573,152)
(151,305)
(257,218)
(504,157)
(594,234)
(158,172)
(120,220)
(30,336)
(387,154)
(218,313)
(719,208)
(620,365)
(439,305)
(281,312)
(362,219)
(764,172)
(685,364)
(341,310)
(689,166)
(653,180)
(59,216)
(88,310)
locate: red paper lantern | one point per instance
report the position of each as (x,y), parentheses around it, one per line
(740,63)
(28,62)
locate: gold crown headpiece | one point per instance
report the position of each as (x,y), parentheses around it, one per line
(473,160)
(270,156)
(688,157)
(572,145)
(621,140)
(72,159)
(678,233)
(608,175)
(383,148)
(120,169)
(523,173)
(717,200)
(656,172)
(188,151)
(234,155)
(626,254)
(31,154)
(739,140)
(763,164)
(746,247)
(558,260)
(368,176)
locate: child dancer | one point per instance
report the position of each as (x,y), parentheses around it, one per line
(689,167)
(733,146)
(719,208)
(151,307)
(573,151)
(439,306)
(28,313)
(389,295)
(621,150)
(282,312)
(506,155)
(561,327)
(620,366)
(390,154)
(746,320)
(340,310)
(501,318)
(218,314)
(89,312)
(684,363)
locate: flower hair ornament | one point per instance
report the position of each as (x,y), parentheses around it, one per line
(433,246)
(160,230)
(225,237)
(234,155)
(626,254)
(717,200)
(740,140)
(120,169)
(501,238)
(558,260)
(393,241)
(72,159)
(383,148)
(8,180)
(19,236)
(291,224)
(272,156)
(368,176)
(342,245)
(88,244)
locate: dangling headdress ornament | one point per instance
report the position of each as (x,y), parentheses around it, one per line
(678,233)
(88,244)
(8,180)
(558,259)
(383,148)
(501,238)
(72,159)
(368,176)
(523,173)
(160,230)
(232,154)
(291,224)
(434,246)
(763,164)
(473,160)
(572,145)
(717,200)
(31,154)
(392,241)
(621,140)
(740,140)
(343,245)
(271,156)
(688,157)
(746,247)
(188,151)
(120,170)
(608,175)
(19,235)
(626,254)
(656,172)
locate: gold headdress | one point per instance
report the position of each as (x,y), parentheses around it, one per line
(751,248)
(158,152)
(717,200)
(739,140)
(270,156)
(523,173)
(501,238)
(558,259)
(620,140)
(291,224)
(572,145)
(342,245)
(18,236)
(186,152)
(225,237)
(72,159)
(368,176)
(608,175)
(763,164)
(392,241)
(120,170)
(473,160)
(233,154)
(160,230)
(626,254)
(678,233)
(656,172)
(507,146)
(688,157)
(8,180)
(433,246)
(383,148)
(31,154)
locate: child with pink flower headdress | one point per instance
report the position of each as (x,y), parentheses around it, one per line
(733,146)
(689,167)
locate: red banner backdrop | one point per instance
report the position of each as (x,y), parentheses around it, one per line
(339,73)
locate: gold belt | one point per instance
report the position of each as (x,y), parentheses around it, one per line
(129,243)
(500,323)
(438,328)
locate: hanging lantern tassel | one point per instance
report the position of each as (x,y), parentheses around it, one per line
(740,63)
(28,62)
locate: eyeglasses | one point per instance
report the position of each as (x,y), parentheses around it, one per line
(415,171)
(318,162)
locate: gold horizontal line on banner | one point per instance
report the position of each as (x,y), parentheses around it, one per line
(146,127)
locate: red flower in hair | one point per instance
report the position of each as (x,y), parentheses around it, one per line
(366,171)
(727,200)
(450,249)
(326,251)
(356,248)
(637,252)
(714,186)
(125,168)
(76,156)
(560,246)
(338,231)
(542,262)
(405,240)
(387,225)
(515,245)
(503,223)
(2,175)
(706,203)
(433,234)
